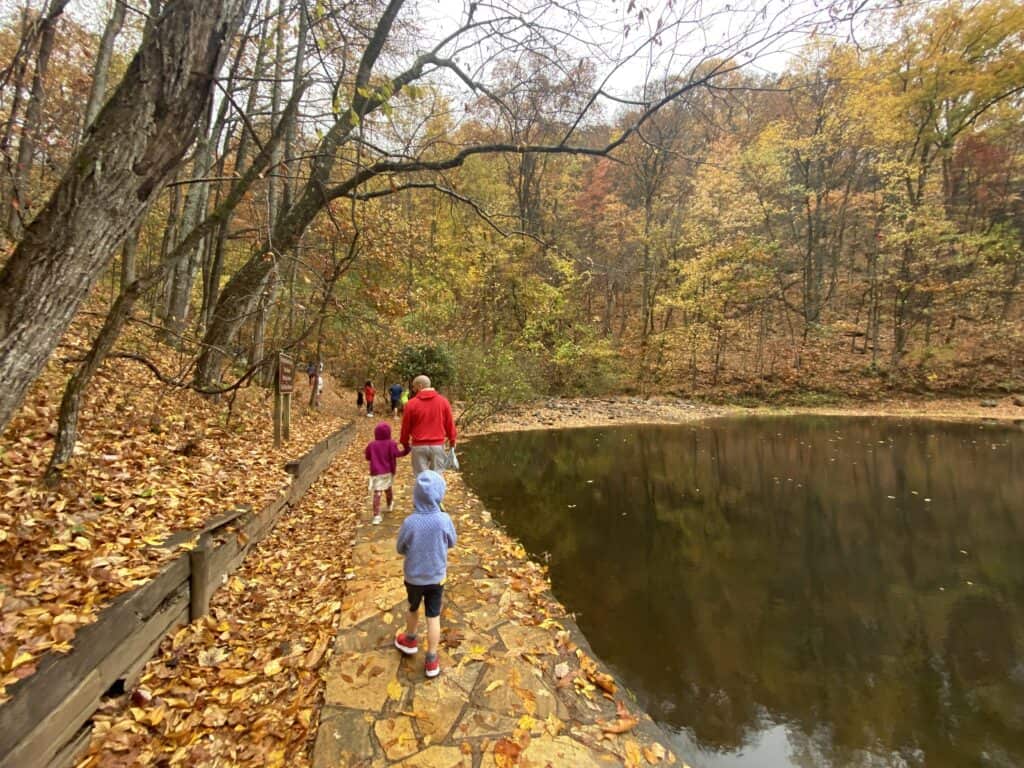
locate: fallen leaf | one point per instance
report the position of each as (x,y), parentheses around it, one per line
(394,690)
(633,754)
(316,653)
(624,722)
(654,753)
(506,753)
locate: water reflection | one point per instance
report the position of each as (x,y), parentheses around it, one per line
(789,591)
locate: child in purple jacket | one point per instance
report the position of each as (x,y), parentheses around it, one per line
(382,452)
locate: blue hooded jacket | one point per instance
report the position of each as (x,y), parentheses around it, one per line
(427,534)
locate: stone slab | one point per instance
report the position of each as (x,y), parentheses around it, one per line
(343,738)
(438,757)
(520,638)
(370,601)
(396,737)
(439,702)
(512,687)
(555,752)
(360,680)
(477,723)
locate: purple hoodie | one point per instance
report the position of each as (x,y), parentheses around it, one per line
(383,452)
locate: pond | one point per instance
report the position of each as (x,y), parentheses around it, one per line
(789,591)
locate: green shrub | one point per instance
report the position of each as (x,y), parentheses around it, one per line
(435,362)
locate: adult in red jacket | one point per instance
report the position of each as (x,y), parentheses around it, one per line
(426,424)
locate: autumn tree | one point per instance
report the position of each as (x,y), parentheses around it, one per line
(123,163)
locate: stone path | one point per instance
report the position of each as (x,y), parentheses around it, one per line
(518,684)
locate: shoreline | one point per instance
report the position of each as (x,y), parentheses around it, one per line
(576,413)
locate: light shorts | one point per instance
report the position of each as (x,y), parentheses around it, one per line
(381,482)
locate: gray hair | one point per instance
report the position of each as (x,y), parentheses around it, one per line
(421,382)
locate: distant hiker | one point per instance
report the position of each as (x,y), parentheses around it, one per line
(382,452)
(424,539)
(359,399)
(396,391)
(401,403)
(311,372)
(426,424)
(369,392)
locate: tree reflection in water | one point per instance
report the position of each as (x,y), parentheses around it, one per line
(854,585)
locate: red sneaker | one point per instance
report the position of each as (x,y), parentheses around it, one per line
(432,666)
(407,645)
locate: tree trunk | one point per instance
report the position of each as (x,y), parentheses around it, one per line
(244,140)
(102,68)
(20,192)
(128,253)
(289,140)
(19,71)
(213,281)
(170,237)
(71,403)
(256,352)
(273,184)
(135,144)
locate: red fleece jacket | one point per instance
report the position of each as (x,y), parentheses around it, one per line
(427,420)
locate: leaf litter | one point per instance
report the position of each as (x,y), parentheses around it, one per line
(151,461)
(243,685)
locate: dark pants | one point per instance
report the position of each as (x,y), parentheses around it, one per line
(430,594)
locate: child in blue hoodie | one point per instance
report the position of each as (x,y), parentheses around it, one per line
(424,539)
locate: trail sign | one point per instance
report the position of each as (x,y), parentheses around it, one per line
(285,374)
(283,386)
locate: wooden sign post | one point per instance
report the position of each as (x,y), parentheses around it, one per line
(284,383)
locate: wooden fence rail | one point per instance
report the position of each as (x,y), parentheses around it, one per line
(47,720)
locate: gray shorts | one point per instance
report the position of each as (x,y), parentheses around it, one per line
(428,457)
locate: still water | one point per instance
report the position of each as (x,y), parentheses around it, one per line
(790,591)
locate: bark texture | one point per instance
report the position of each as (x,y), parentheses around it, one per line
(137,141)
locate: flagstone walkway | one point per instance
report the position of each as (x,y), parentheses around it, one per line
(518,683)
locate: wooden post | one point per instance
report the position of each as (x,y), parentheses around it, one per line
(277,418)
(199,587)
(286,421)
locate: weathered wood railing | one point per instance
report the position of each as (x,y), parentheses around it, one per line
(47,720)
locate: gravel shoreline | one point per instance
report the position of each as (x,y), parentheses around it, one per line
(567,413)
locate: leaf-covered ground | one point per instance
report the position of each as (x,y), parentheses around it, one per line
(241,686)
(152,460)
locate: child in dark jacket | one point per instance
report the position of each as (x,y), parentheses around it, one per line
(424,539)
(382,452)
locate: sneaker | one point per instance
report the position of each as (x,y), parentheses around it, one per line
(391,507)
(407,645)
(377,520)
(432,666)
